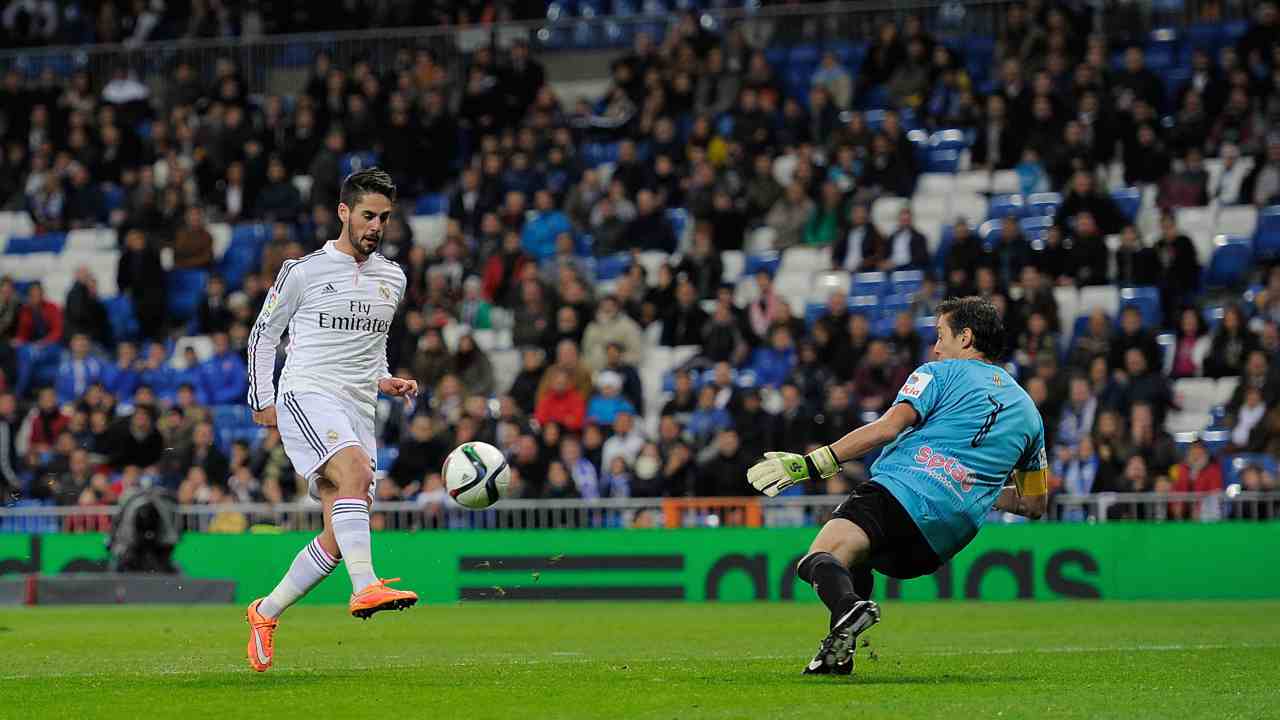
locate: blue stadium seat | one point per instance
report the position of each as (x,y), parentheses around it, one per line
(1233,465)
(679,219)
(1129,200)
(1147,300)
(1044,203)
(596,154)
(942,161)
(1002,206)
(850,54)
(777,58)
(876,98)
(874,119)
(868,305)
(939,262)
(1266,240)
(239,260)
(928,328)
(869,283)
(1035,228)
(891,305)
(949,139)
(768,262)
(185,289)
(1205,36)
(387,457)
(37,366)
(46,243)
(251,233)
(124,323)
(613,266)
(113,197)
(231,417)
(989,233)
(352,162)
(296,55)
(1230,263)
(813,311)
(905,282)
(431,204)
(882,327)
(804,55)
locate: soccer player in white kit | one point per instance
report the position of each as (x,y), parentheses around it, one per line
(337,303)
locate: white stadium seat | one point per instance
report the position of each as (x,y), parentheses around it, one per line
(1197,224)
(1236,220)
(428,230)
(1099,297)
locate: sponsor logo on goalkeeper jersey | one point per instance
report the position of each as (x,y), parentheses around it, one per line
(944,468)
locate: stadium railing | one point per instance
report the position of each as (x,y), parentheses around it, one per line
(797,511)
(276,63)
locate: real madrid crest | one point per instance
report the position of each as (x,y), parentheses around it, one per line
(384,291)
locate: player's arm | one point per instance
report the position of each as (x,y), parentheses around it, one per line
(278,309)
(1029,494)
(389,384)
(780,470)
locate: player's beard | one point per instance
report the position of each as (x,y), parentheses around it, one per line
(369,243)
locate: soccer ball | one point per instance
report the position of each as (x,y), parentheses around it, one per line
(476,475)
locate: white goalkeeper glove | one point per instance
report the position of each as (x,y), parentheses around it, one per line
(780,470)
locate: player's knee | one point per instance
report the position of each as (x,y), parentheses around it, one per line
(351,474)
(806,566)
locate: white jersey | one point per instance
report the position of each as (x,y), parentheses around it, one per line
(338,314)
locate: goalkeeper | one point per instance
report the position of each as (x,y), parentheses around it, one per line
(958,429)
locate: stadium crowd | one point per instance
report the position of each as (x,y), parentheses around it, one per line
(699,121)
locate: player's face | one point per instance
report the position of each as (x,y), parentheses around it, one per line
(366,221)
(950,346)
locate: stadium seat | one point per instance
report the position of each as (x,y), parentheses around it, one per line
(1230,263)
(803,258)
(1267,235)
(1129,200)
(124,323)
(1002,206)
(1237,220)
(352,162)
(185,289)
(905,282)
(1233,465)
(831,281)
(869,283)
(1147,300)
(1042,204)
(680,225)
(1036,228)
(942,161)
(767,262)
(1197,224)
(431,204)
(46,243)
(891,305)
(611,267)
(1099,297)
(868,305)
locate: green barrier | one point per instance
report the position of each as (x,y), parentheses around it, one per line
(1005,562)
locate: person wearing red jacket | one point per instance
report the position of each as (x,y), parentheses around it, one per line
(39,320)
(1199,473)
(562,403)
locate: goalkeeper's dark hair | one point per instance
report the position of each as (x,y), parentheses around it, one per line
(362,182)
(981,317)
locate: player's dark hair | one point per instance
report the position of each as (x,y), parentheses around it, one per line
(981,317)
(363,182)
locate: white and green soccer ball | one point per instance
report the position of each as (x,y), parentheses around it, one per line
(476,475)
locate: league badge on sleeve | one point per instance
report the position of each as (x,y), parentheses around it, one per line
(270,305)
(916,384)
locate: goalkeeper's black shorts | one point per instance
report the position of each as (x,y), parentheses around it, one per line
(898,548)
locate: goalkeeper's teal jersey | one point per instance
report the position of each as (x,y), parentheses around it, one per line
(977,426)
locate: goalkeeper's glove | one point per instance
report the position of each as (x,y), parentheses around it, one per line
(780,470)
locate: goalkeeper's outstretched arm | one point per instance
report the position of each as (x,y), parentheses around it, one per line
(780,470)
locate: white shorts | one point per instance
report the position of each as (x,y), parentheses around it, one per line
(314,427)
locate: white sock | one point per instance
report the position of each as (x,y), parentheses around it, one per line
(312,565)
(350,518)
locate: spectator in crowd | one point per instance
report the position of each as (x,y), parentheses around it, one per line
(39,321)
(141,276)
(858,246)
(561,403)
(1190,347)
(1178,269)
(907,247)
(789,215)
(79,369)
(1231,344)
(611,326)
(223,374)
(84,311)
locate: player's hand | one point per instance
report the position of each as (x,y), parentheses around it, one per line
(780,470)
(265,417)
(400,387)
(396,387)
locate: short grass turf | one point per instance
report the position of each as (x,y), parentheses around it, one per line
(564,660)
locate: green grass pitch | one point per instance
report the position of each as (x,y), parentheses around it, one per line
(631,660)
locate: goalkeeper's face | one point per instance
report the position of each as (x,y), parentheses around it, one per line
(366,221)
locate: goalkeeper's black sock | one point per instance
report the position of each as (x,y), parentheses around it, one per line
(831,580)
(863,581)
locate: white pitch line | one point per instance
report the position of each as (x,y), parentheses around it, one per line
(561,658)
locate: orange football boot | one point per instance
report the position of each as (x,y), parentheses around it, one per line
(262,631)
(378,597)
